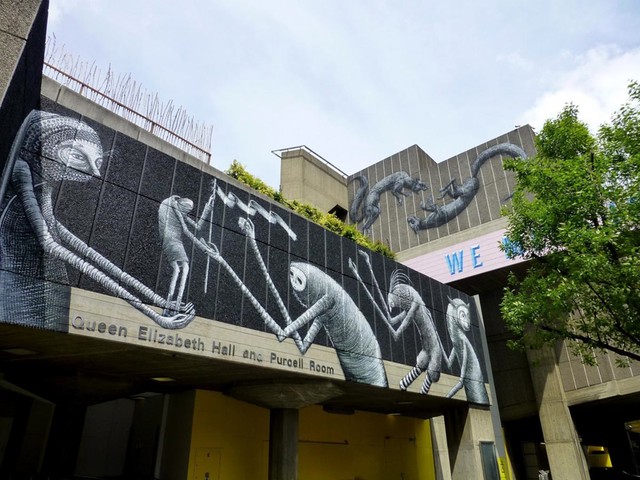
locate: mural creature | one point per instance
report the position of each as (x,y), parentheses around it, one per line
(172,224)
(369,200)
(461,194)
(331,308)
(471,378)
(413,310)
(328,306)
(35,248)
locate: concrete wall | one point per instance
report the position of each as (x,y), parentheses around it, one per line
(243,258)
(407,225)
(579,378)
(22,34)
(306,178)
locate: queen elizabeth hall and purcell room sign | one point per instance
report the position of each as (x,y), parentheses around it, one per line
(103,236)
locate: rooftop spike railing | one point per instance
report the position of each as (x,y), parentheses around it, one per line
(125,97)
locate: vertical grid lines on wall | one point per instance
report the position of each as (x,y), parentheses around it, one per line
(378,229)
(188,183)
(464,172)
(409,201)
(425,174)
(481,198)
(381,225)
(138,199)
(499,179)
(107,207)
(441,168)
(158,173)
(454,175)
(412,204)
(575,374)
(392,165)
(509,178)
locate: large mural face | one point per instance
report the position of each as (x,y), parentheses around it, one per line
(91,210)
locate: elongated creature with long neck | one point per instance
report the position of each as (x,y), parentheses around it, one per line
(461,194)
(471,378)
(412,310)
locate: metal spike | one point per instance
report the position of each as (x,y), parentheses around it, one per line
(125,97)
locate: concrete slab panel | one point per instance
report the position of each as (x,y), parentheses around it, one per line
(16,18)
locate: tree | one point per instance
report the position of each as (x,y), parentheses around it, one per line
(575,215)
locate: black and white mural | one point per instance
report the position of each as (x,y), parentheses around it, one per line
(412,309)
(365,206)
(460,195)
(415,200)
(92,209)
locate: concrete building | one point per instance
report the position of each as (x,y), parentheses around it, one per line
(160,320)
(444,220)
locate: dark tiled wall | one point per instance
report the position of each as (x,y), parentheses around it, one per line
(117,215)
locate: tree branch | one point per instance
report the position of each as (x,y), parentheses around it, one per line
(616,320)
(592,342)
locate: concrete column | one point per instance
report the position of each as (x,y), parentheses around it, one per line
(501,450)
(440,449)
(466,428)
(23,28)
(36,434)
(566,458)
(283,444)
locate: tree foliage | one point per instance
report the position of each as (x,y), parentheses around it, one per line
(326,220)
(575,215)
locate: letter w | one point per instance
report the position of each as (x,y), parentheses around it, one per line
(454,261)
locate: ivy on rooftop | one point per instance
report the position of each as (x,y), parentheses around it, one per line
(326,220)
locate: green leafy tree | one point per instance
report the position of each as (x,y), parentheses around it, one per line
(575,215)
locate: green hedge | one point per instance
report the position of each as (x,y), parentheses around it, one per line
(326,220)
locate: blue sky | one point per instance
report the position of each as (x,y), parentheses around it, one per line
(359,80)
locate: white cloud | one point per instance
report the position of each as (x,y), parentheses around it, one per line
(596,82)
(358,80)
(516,60)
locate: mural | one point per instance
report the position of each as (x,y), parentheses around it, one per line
(172,225)
(412,308)
(366,203)
(51,148)
(462,195)
(471,378)
(145,223)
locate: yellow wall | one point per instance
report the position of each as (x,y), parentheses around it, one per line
(230,442)
(234,433)
(363,446)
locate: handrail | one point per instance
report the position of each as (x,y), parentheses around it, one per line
(317,155)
